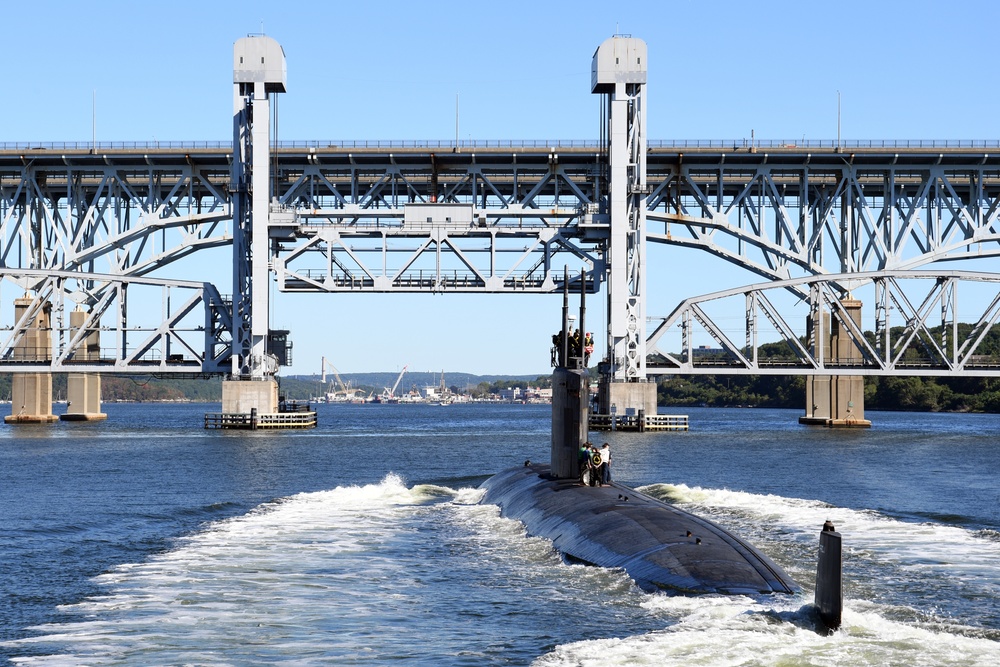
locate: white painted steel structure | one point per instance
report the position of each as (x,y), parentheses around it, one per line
(145,324)
(916,328)
(84,223)
(259,71)
(619,72)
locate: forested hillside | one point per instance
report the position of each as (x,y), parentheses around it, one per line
(881,393)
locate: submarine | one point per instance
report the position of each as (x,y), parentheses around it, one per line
(663,548)
(660,546)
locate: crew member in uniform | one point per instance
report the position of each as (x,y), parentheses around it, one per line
(606,464)
(583,458)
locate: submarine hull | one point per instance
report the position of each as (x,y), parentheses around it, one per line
(662,547)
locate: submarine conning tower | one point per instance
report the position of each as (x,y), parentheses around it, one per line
(570,390)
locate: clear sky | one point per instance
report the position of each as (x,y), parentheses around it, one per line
(392,70)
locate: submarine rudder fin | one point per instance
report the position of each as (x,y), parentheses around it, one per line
(829,595)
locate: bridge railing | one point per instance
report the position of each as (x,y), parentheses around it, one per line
(417,280)
(292,144)
(504,143)
(825,143)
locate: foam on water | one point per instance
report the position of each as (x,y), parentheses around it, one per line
(737,631)
(363,574)
(921,549)
(388,574)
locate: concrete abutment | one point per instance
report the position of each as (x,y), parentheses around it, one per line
(247,396)
(255,404)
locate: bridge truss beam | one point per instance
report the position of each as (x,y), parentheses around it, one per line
(144,325)
(913,327)
(409,221)
(354,218)
(790,212)
(118,212)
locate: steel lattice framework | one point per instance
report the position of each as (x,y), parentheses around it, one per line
(486,217)
(485,220)
(120,212)
(916,329)
(171,326)
(785,211)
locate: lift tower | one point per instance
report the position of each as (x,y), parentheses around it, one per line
(618,71)
(258,71)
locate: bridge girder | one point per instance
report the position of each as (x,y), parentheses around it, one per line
(117,212)
(528,210)
(142,325)
(788,212)
(420,221)
(782,214)
(903,339)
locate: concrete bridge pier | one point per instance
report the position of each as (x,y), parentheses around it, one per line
(31,393)
(250,396)
(625,398)
(83,390)
(837,401)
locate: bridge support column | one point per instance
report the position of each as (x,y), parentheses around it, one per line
(250,399)
(625,398)
(250,396)
(31,393)
(83,390)
(837,401)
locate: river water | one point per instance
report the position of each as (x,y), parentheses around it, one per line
(146,540)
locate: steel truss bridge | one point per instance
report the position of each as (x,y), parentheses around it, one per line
(80,226)
(99,227)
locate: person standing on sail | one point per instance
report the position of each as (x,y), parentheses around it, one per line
(606,464)
(583,458)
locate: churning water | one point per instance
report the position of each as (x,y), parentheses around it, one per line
(145,540)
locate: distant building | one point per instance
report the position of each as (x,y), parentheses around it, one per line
(539,394)
(511,394)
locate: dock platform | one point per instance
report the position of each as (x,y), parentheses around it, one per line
(639,422)
(289,416)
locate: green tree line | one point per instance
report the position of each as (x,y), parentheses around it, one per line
(926,394)
(920,394)
(138,388)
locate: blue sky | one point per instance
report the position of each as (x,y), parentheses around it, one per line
(392,70)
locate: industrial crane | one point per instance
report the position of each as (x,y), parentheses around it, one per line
(345,388)
(390,394)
